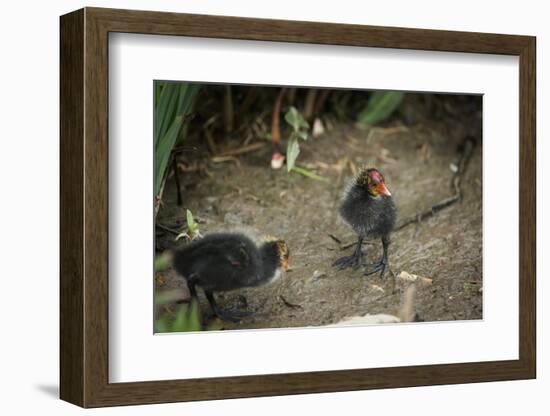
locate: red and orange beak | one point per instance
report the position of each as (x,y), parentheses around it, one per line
(382,189)
(285,265)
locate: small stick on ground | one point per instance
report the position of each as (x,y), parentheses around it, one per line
(354,243)
(177,180)
(210,141)
(158,200)
(165,228)
(348,245)
(277,158)
(309,105)
(336,239)
(456,183)
(222,159)
(275,124)
(228,110)
(341,244)
(290,305)
(246,149)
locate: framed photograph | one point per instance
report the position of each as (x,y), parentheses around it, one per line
(255,207)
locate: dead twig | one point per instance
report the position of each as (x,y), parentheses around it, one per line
(158,198)
(222,159)
(456,182)
(345,246)
(277,158)
(228,110)
(168,229)
(241,192)
(290,305)
(177,180)
(210,141)
(336,239)
(181,149)
(275,123)
(246,149)
(348,245)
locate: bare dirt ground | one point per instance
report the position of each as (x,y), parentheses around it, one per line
(245,193)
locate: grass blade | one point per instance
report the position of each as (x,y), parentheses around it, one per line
(292,152)
(309,174)
(381,105)
(162,153)
(174,104)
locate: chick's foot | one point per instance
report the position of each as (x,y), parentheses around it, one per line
(232,315)
(353,261)
(381,267)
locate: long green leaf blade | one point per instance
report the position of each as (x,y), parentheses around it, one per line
(165,109)
(162,154)
(174,104)
(309,174)
(381,105)
(292,152)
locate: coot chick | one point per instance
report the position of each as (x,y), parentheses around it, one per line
(369,209)
(227,261)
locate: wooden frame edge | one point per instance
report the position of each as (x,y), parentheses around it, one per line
(72,367)
(528,208)
(84,206)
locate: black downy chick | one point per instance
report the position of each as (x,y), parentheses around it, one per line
(369,209)
(227,261)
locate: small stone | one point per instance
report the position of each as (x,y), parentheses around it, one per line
(318,128)
(318,274)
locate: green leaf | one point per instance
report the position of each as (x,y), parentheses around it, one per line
(295,119)
(158,90)
(191,225)
(193,317)
(309,174)
(174,102)
(292,152)
(215,325)
(167,296)
(162,324)
(301,134)
(162,153)
(181,322)
(381,105)
(165,110)
(162,262)
(187,318)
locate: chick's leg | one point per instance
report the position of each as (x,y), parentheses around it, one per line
(225,315)
(191,285)
(355,260)
(383,264)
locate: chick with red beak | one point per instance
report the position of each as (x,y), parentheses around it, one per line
(369,209)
